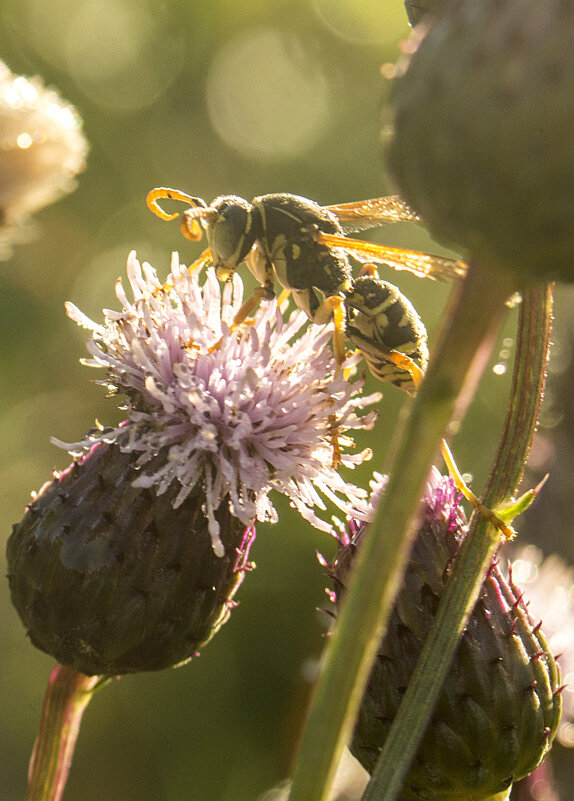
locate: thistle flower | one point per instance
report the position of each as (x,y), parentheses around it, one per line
(348,784)
(235,412)
(109,579)
(549,586)
(130,558)
(499,707)
(42,147)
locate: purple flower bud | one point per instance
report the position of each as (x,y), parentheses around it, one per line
(109,578)
(500,704)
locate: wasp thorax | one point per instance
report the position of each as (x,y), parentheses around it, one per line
(230,234)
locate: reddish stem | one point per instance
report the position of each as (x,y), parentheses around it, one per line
(67,695)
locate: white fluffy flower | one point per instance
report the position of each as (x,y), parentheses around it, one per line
(237,411)
(42,147)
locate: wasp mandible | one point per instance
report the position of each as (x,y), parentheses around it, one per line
(304,246)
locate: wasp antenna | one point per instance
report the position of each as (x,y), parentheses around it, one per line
(164,192)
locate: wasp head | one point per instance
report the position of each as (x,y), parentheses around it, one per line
(230,234)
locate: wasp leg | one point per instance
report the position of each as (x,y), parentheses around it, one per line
(462,487)
(333,307)
(404,362)
(246,309)
(283,298)
(375,354)
(189,226)
(369,269)
(200,262)
(263,271)
(334,432)
(203,259)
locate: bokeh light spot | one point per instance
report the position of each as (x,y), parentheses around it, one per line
(362,21)
(266,97)
(115,52)
(117,55)
(24,141)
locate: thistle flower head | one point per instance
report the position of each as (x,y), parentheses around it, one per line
(109,578)
(42,147)
(499,706)
(549,586)
(234,411)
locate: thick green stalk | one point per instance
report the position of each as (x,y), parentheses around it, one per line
(466,343)
(527,392)
(503,796)
(68,694)
(477,551)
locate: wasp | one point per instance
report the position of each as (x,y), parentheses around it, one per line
(305,247)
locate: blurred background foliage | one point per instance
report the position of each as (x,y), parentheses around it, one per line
(209,97)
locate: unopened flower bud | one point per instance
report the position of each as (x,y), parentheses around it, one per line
(499,707)
(482,144)
(109,578)
(418,9)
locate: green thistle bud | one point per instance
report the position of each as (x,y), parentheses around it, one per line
(482,146)
(109,578)
(500,705)
(417,9)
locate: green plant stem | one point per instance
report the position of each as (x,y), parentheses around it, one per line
(461,355)
(526,395)
(477,551)
(67,695)
(503,796)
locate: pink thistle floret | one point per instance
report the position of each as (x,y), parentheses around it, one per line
(236,410)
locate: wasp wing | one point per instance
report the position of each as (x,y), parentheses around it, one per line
(423,265)
(363,214)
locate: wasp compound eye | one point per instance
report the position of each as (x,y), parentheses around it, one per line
(230,233)
(109,578)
